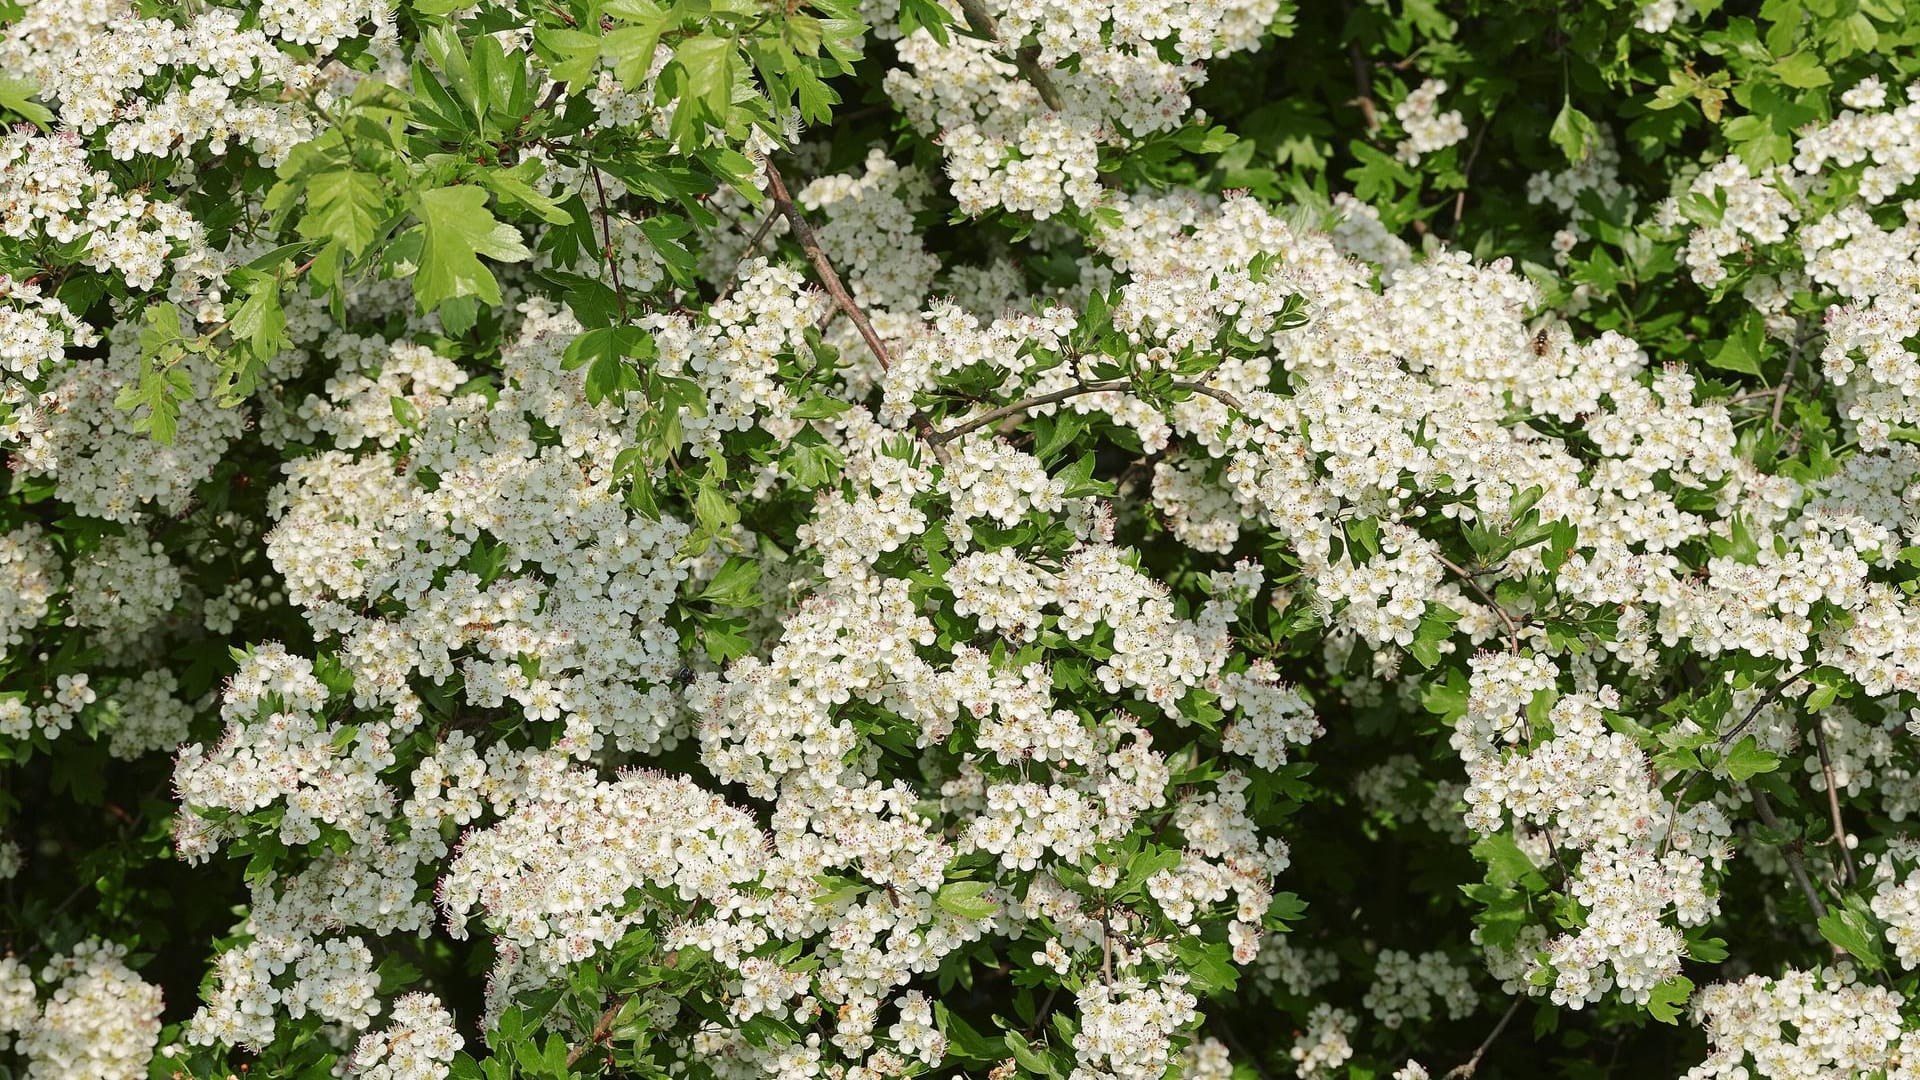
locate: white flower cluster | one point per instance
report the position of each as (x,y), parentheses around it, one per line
(1326,1044)
(99,1020)
(1801,238)
(30,577)
(1428,129)
(555,876)
(1804,1023)
(578,582)
(418,1043)
(70,430)
(1405,987)
(1126,1029)
(121,589)
(1896,902)
(1102,61)
(1594,178)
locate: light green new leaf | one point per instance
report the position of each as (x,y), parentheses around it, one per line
(1745,760)
(16,97)
(1666,1000)
(630,49)
(344,206)
(709,62)
(966,899)
(1574,132)
(1851,926)
(160,391)
(458,228)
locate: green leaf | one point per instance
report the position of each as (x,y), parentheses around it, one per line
(344,207)
(733,584)
(1851,926)
(1200,140)
(1745,760)
(458,229)
(1573,132)
(575,52)
(1802,71)
(160,392)
(966,899)
(709,62)
(820,408)
(1506,863)
(16,97)
(1026,1057)
(1740,350)
(516,185)
(1208,964)
(260,320)
(1668,998)
(1707,950)
(630,48)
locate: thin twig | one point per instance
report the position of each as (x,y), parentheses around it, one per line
(1363,86)
(1017,408)
(1252,1059)
(753,245)
(606,236)
(602,1031)
(1026,58)
(1466,176)
(1513,630)
(1791,850)
(1833,802)
(1673,815)
(803,233)
(1466,1069)
(1786,380)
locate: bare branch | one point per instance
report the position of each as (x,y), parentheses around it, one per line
(1467,1068)
(606,237)
(1791,850)
(1833,803)
(802,232)
(1513,630)
(1026,57)
(602,1031)
(1017,408)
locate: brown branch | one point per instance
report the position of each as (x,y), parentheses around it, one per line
(941,438)
(1467,1068)
(602,1031)
(1221,396)
(1791,850)
(802,232)
(606,236)
(1026,58)
(1786,380)
(753,245)
(1466,177)
(1363,86)
(1513,630)
(1727,737)
(1018,407)
(1833,803)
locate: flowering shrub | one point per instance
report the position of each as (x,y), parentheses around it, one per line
(860,540)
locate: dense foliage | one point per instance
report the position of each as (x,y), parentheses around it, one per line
(1077,539)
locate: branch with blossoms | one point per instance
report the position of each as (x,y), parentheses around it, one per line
(999,623)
